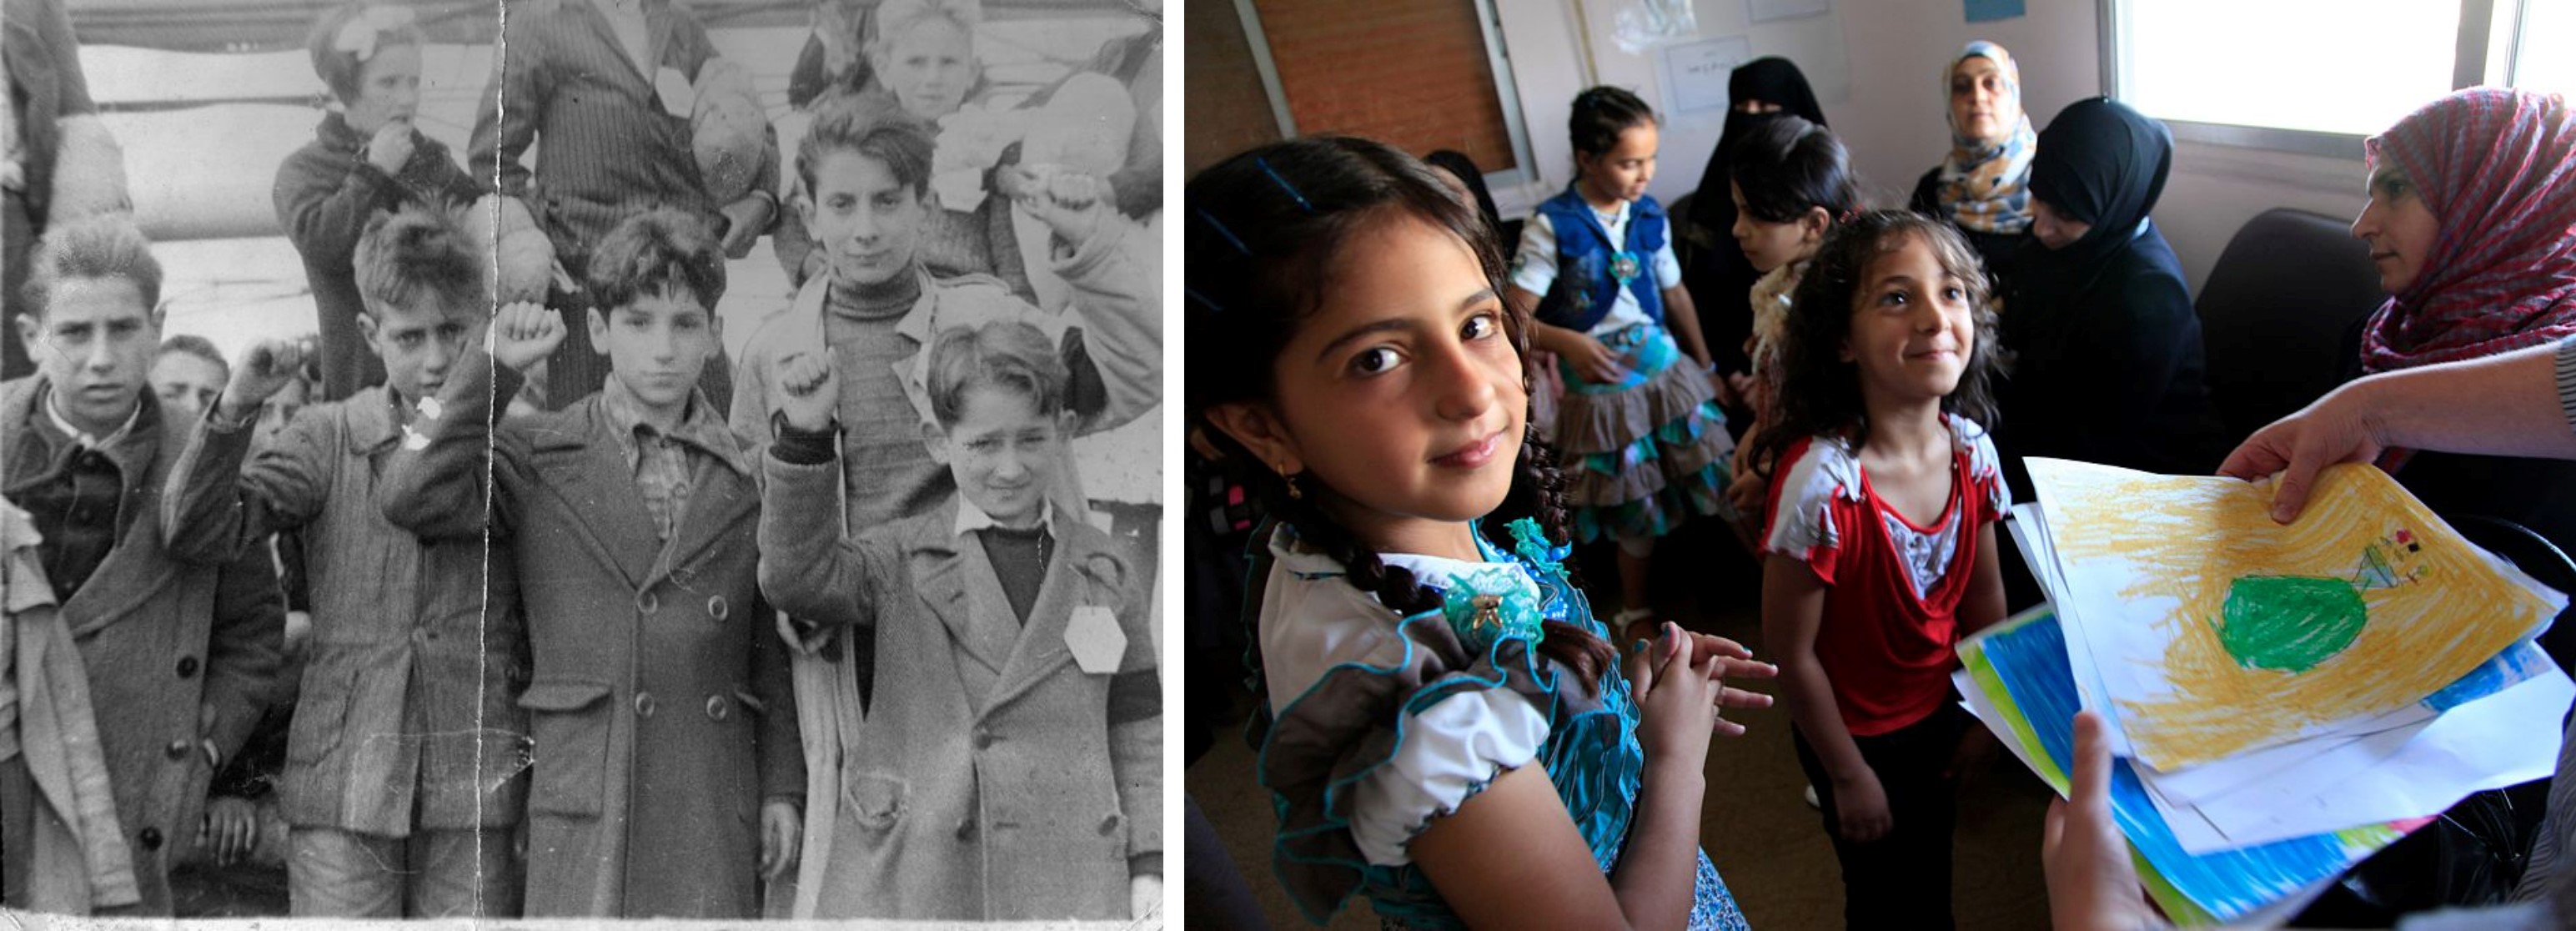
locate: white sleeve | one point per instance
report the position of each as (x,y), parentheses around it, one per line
(1802,522)
(1450,751)
(1534,268)
(1668,268)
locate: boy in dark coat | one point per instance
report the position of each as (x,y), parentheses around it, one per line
(668,778)
(399,779)
(1009,767)
(177,656)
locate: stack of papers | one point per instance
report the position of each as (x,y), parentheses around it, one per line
(2284,701)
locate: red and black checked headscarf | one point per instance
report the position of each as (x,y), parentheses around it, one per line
(2498,167)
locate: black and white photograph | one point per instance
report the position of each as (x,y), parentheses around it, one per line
(583,459)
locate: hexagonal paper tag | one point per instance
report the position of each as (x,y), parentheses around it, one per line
(1095,639)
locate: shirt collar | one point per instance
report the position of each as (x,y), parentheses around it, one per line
(54,410)
(697,427)
(971,518)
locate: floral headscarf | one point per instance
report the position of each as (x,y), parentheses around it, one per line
(1984,186)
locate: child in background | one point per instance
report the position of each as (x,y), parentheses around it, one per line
(603,90)
(1791,181)
(1639,429)
(1442,724)
(977,605)
(399,785)
(365,158)
(667,776)
(187,374)
(1881,550)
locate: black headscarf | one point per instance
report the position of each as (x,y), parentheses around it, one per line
(2102,163)
(1720,279)
(1457,163)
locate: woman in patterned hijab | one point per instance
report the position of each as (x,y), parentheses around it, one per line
(1982,187)
(2472,224)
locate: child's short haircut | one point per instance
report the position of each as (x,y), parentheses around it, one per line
(1008,355)
(656,252)
(198,346)
(1787,166)
(898,18)
(416,253)
(105,246)
(1601,114)
(872,125)
(343,33)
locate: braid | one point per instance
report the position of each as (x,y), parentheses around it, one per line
(1538,492)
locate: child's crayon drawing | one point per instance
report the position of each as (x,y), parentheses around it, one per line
(2220,631)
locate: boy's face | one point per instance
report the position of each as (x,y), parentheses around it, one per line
(1003,453)
(419,345)
(656,346)
(186,383)
(929,67)
(95,345)
(278,410)
(867,220)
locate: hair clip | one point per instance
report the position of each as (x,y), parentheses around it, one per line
(1202,298)
(358,36)
(1227,233)
(1283,184)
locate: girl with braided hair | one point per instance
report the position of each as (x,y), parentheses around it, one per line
(1439,723)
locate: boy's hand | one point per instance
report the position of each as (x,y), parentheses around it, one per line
(264,370)
(745,220)
(391,148)
(808,390)
(230,829)
(1069,203)
(524,334)
(1144,895)
(781,834)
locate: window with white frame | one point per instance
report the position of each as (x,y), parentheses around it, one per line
(2318,75)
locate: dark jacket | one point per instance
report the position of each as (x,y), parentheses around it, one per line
(325,194)
(658,695)
(161,639)
(406,717)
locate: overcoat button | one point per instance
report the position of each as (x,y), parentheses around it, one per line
(716,707)
(187,666)
(643,704)
(717,608)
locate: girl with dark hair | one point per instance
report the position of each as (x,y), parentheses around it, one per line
(1471,182)
(1881,550)
(1643,436)
(1758,92)
(1791,182)
(1982,187)
(1419,641)
(2109,363)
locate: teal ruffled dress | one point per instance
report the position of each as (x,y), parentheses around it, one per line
(1319,747)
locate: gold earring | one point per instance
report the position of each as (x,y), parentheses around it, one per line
(1294,493)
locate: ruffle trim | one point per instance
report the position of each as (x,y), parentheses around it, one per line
(1702,493)
(1601,422)
(1321,746)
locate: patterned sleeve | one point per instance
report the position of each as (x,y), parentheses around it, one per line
(1450,751)
(1815,476)
(1534,268)
(1985,468)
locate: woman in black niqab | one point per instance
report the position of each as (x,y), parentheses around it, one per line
(1719,278)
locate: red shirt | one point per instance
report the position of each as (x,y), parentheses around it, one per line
(1893,586)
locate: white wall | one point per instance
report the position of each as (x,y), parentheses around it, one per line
(1876,66)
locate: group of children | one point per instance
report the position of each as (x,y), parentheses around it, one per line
(845,641)
(1418,637)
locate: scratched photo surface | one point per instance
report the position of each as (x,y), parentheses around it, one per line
(2275,632)
(637,459)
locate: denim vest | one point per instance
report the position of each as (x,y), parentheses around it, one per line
(1586,282)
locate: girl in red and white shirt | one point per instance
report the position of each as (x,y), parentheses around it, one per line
(1881,546)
